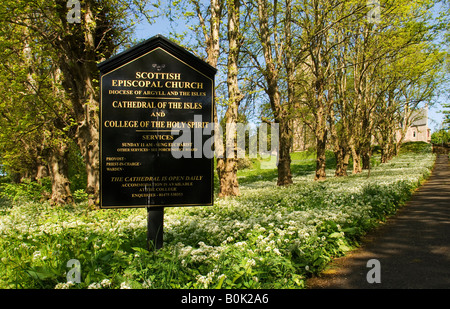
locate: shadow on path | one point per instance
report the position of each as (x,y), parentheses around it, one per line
(413,247)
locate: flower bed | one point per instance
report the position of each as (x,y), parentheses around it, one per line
(270,237)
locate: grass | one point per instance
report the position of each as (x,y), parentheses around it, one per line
(269,237)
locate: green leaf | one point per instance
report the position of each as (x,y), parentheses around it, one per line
(41,273)
(140,250)
(350,230)
(219,285)
(335,235)
(344,248)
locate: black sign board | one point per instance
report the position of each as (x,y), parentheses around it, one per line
(155,117)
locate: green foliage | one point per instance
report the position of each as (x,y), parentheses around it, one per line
(270,237)
(77,170)
(41,190)
(80,196)
(440,137)
(415,147)
(27,189)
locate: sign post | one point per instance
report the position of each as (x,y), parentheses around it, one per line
(155,227)
(156,113)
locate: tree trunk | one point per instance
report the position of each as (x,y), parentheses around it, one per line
(229,185)
(227,167)
(321,158)
(80,75)
(365,156)
(342,157)
(285,123)
(59,169)
(367,124)
(365,160)
(42,172)
(271,74)
(321,134)
(284,153)
(356,160)
(88,141)
(339,146)
(384,153)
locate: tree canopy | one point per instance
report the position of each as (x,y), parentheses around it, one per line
(351,73)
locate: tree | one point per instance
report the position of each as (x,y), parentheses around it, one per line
(34,113)
(207,24)
(322,72)
(446,121)
(388,77)
(273,41)
(76,48)
(407,76)
(226,160)
(441,137)
(227,166)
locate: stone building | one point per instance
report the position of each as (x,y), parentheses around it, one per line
(418,130)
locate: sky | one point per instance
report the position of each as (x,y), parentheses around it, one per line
(146,31)
(435,116)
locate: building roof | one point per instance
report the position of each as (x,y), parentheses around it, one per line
(419,117)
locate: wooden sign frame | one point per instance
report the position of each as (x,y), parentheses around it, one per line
(156,109)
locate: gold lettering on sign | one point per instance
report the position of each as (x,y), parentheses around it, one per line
(155,75)
(153,186)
